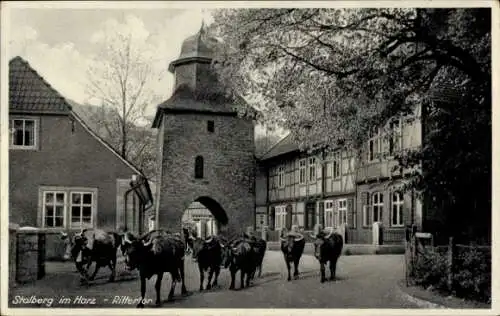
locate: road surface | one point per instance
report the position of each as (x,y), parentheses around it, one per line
(368,281)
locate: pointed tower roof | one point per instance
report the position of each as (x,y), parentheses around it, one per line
(194,48)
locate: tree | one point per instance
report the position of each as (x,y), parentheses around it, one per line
(331,75)
(264,142)
(120,79)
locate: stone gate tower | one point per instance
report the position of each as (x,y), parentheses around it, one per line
(205,150)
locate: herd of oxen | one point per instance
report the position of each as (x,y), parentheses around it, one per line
(159,251)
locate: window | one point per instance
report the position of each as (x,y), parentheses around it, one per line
(23,133)
(210,126)
(81,209)
(302,171)
(378,206)
(328,213)
(336,165)
(281,176)
(53,209)
(397,209)
(68,207)
(374,145)
(198,167)
(280,217)
(312,169)
(395,139)
(342,212)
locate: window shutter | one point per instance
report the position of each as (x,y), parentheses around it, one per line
(350,213)
(289,217)
(391,215)
(365,198)
(336,216)
(322,214)
(272,214)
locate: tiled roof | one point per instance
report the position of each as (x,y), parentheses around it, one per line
(29,92)
(284,146)
(185,99)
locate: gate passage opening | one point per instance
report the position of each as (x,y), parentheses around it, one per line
(204,217)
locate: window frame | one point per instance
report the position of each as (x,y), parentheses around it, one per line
(44,208)
(67,191)
(341,211)
(378,206)
(399,204)
(281,176)
(302,171)
(328,209)
(337,165)
(375,137)
(81,205)
(395,137)
(312,177)
(36,122)
(279,217)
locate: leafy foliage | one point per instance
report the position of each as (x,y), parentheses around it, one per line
(119,79)
(471,272)
(331,75)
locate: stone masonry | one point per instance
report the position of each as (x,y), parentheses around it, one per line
(227,186)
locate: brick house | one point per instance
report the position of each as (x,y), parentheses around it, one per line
(205,150)
(62,176)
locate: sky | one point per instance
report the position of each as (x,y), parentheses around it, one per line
(59,43)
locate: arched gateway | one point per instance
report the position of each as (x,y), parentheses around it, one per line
(206,151)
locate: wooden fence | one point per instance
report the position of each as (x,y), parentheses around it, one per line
(442,265)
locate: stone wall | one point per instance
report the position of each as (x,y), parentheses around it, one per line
(229,168)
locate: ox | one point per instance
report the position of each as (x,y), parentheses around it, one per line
(208,254)
(259,245)
(240,256)
(155,253)
(327,248)
(292,247)
(92,245)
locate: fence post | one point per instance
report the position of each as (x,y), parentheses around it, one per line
(451,251)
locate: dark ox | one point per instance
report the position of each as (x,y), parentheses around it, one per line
(259,245)
(208,254)
(92,245)
(327,248)
(292,247)
(240,256)
(155,253)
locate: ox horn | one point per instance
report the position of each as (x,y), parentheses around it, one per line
(282,239)
(299,238)
(312,235)
(126,240)
(146,243)
(329,234)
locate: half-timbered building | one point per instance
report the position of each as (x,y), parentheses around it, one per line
(358,194)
